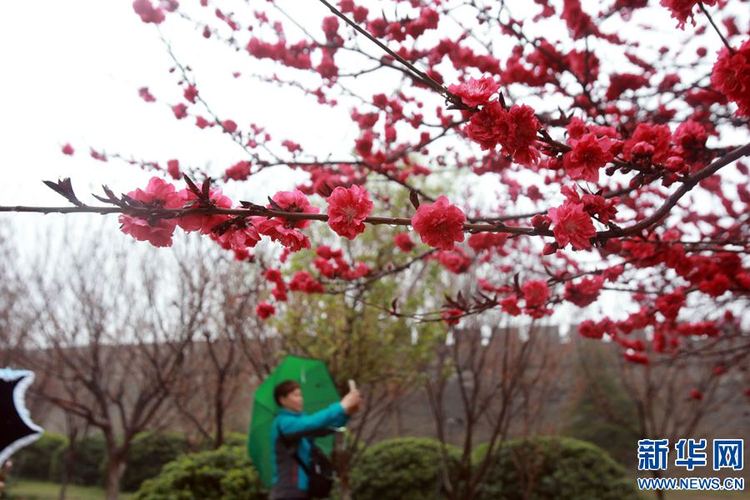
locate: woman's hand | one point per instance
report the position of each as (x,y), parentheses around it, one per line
(352,401)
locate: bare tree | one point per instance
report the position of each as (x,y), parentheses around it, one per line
(111,335)
(230,351)
(674,394)
(13,322)
(502,375)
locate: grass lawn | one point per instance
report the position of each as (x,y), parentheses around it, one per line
(38,490)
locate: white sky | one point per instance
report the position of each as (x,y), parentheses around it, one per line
(72,75)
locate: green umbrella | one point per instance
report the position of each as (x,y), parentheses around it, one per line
(318,391)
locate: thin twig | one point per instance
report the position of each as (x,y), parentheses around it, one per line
(716,28)
(416,73)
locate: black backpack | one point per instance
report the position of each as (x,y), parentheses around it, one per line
(320,471)
(319,474)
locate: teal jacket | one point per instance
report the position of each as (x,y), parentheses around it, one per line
(298,429)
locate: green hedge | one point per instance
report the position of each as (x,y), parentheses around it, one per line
(35,461)
(400,468)
(225,473)
(89,457)
(148,454)
(236,439)
(45,458)
(544,468)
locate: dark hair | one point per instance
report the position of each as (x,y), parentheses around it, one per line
(284,388)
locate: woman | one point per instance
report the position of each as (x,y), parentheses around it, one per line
(292,434)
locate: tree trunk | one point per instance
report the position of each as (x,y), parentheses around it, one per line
(219,415)
(115,470)
(659,493)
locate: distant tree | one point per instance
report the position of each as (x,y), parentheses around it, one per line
(111,336)
(504,374)
(599,409)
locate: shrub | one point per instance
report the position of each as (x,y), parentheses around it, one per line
(148,454)
(35,461)
(401,468)
(550,467)
(225,473)
(236,439)
(88,459)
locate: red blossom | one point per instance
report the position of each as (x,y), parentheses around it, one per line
(619,83)
(238,172)
(520,142)
(585,292)
(303,282)
(190,93)
(636,357)
(715,285)
(480,242)
(403,242)
(488,126)
(650,142)
(579,23)
(515,130)
(279,293)
(695,394)
(158,232)
(690,137)
(475,92)
(229,126)
(439,224)
(451,316)
(363,145)
(510,305)
(589,154)
(599,206)
(327,67)
(295,56)
(456,261)
(144,93)
(329,253)
(731,76)
(147,12)
(572,225)
(180,111)
(683,9)
(347,210)
(286,231)
(359,271)
(274,276)
(278,230)
(199,222)
(173,169)
(670,304)
(202,123)
(535,293)
(67,149)
(590,329)
(237,238)
(265,310)
(330,27)
(296,202)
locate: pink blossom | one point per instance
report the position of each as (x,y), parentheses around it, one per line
(439,224)
(347,210)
